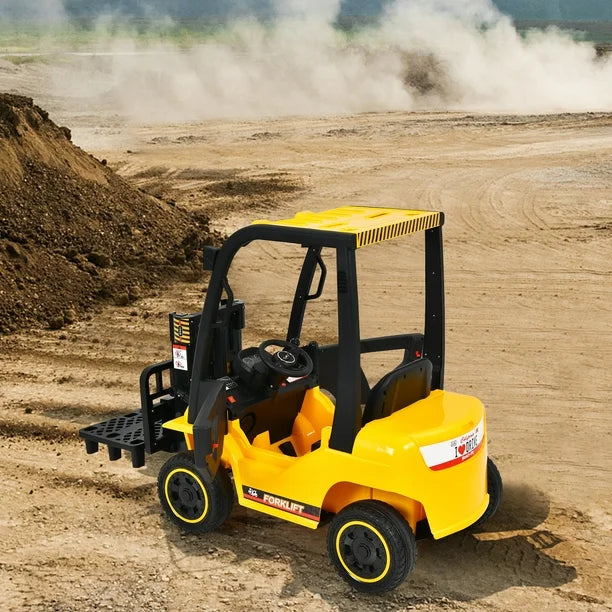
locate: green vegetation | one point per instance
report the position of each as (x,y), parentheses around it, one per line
(20,60)
(19,39)
(88,35)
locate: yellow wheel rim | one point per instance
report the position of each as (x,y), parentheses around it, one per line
(367,552)
(178,487)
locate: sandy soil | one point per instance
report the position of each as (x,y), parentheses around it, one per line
(528,257)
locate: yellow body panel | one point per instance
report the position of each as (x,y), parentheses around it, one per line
(179,424)
(386,464)
(182,425)
(452,498)
(370,225)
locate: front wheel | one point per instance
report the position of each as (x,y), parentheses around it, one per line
(190,498)
(371,546)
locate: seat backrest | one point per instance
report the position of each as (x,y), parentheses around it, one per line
(399,388)
(275,414)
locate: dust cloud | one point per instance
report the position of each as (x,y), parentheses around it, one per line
(418,55)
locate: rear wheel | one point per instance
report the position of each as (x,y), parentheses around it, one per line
(371,546)
(495,490)
(190,498)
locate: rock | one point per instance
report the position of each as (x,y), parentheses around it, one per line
(177,259)
(134,292)
(99,259)
(67,132)
(56,322)
(122,299)
(89,268)
(13,250)
(69,316)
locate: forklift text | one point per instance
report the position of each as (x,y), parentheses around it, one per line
(283,504)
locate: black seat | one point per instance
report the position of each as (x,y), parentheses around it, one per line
(399,388)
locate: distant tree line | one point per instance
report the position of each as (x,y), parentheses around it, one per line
(558,10)
(550,10)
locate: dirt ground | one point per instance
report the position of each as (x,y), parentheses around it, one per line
(528,253)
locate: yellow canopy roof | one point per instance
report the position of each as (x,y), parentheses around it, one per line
(369,224)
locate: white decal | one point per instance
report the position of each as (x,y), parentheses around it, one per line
(451,452)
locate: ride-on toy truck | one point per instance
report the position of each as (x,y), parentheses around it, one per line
(294,428)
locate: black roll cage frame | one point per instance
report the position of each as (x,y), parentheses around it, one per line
(347,416)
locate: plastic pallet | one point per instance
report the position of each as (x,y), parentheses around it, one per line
(122,432)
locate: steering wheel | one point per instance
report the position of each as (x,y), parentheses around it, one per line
(289,361)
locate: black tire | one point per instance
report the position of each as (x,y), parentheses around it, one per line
(190,498)
(495,489)
(371,546)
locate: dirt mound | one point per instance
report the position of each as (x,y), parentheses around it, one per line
(73,232)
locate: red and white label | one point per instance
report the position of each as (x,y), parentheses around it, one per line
(179,357)
(445,454)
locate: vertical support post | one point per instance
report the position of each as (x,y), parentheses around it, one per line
(347,417)
(301,293)
(434,305)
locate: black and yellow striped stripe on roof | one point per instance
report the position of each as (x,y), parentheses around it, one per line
(181,331)
(370,225)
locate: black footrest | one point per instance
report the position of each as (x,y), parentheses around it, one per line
(122,432)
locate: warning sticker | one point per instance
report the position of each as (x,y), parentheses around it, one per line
(179,357)
(445,454)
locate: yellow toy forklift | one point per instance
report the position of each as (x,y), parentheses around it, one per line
(294,429)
